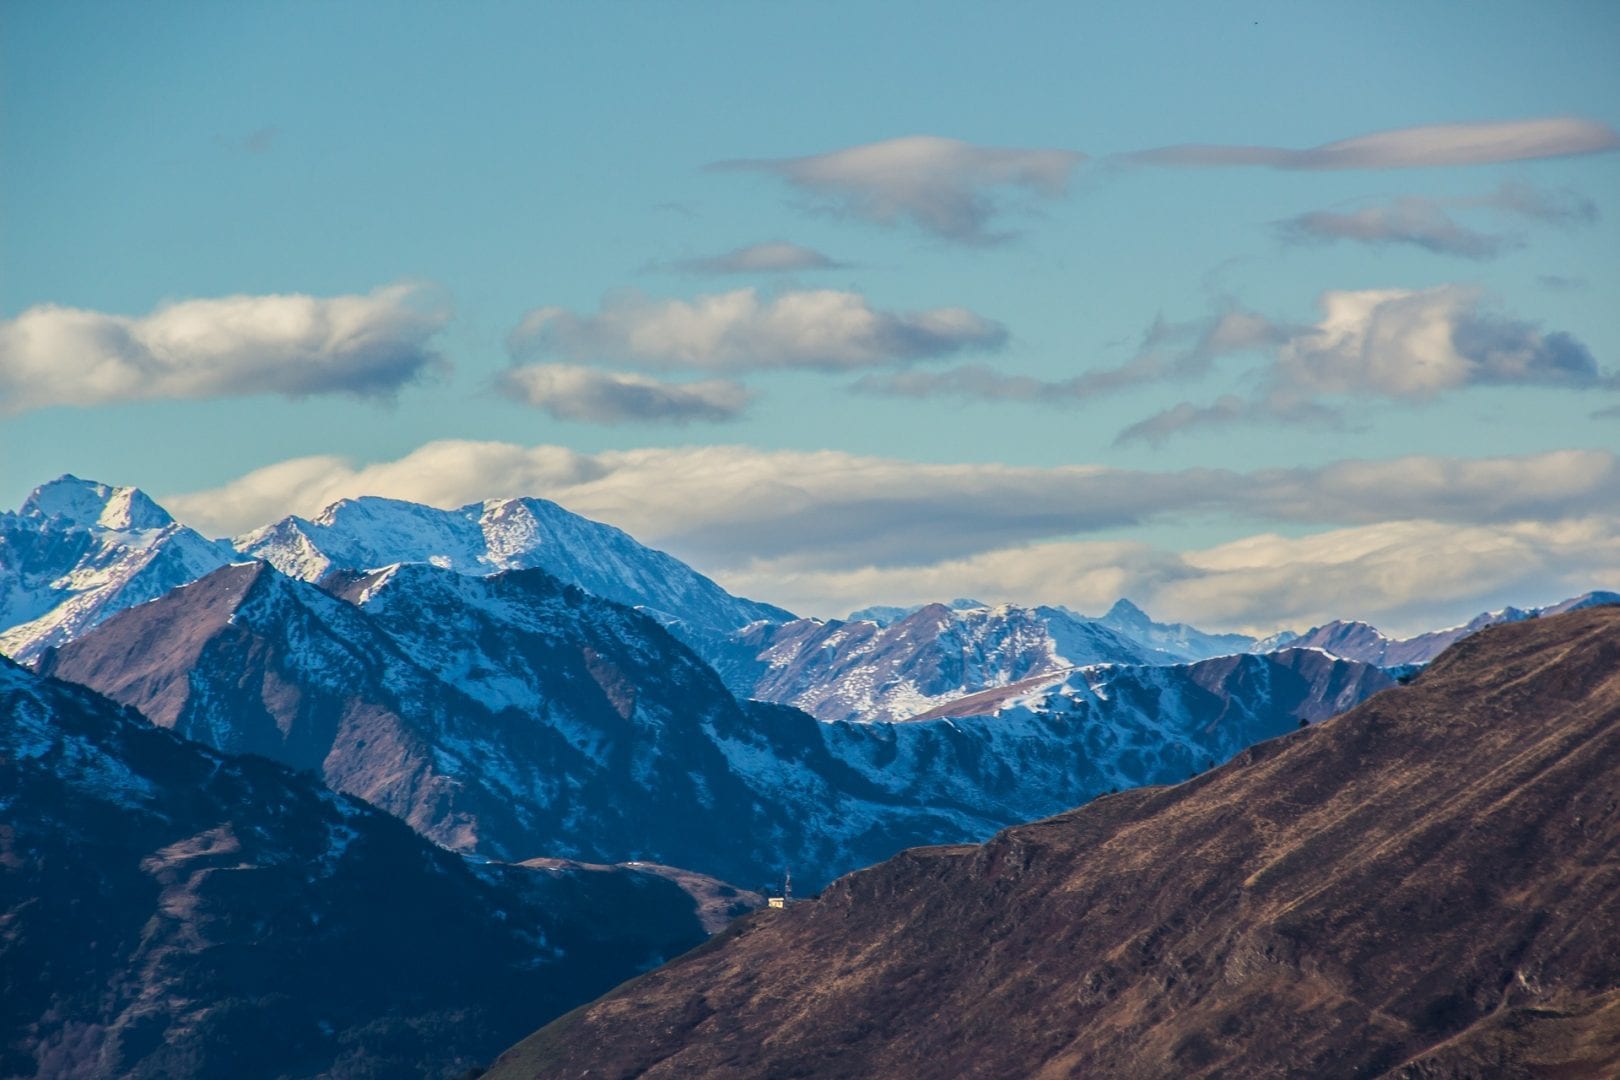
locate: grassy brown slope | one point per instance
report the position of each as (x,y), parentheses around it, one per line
(1427,886)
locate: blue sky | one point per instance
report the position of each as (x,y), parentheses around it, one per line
(453,169)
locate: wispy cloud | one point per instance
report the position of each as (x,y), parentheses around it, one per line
(1392,344)
(1427,223)
(569,392)
(1169,351)
(292,345)
(820,329)
(1409,148)
(826,531)
(1412,221)
(259,141)
(1227,409)
(729,503)
(1554,206)
(772,257)
(947,187)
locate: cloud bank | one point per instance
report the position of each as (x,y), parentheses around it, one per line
(1405,577)
(1409,148)
(296,346)
(824,532)
(568,392)
(947,187)
(820,329)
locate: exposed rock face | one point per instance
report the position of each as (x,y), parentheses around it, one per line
(1423,887)
(166,910)
(517,717)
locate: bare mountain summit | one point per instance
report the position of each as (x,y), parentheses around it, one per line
(1425,886)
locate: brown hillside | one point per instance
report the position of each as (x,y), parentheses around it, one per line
(1427,886)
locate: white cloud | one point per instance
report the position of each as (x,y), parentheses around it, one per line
(602,397)
(296,346)
(824,532)
(1409,148)
(821,329)
(1399,343)
(945,186)
(772,257)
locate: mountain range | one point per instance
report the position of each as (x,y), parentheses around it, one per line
(514,716)
(1422,887)
(77,552)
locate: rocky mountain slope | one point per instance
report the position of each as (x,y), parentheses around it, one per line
(513,716)
(1422,887)
(1297,684)
(77,552)
(871,670)
(517,717)
(166,910)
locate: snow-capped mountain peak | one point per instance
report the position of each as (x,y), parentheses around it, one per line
(88,504)
(504,534)
(1176,640)
(1126,611)
(78,551)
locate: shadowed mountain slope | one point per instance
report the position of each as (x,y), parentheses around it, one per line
(168,911)
(1425,886)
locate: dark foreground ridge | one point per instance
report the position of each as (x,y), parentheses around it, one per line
(170,911)
(1426,886)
